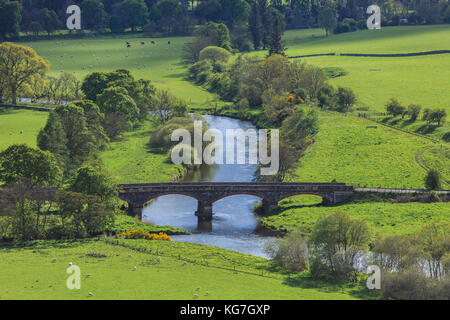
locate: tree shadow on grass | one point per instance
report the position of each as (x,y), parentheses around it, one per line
(303,281)
(45,244)
(427,129)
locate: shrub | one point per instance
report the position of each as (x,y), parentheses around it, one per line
(140,234)
(336,242)
(433,180)
(290,252)
(413,285)
(215,54)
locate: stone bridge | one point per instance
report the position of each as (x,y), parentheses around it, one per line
(206,193)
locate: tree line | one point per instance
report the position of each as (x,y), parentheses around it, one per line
(68,146)
(180,17)
(339,248)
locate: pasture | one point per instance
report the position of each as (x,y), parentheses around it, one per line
(107,271)
(131,160)
(20,126)
(385,218)
(348,150)
(421,80)
(159,62)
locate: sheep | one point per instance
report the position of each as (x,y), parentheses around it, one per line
(88,275)
(134,268)
(159,259)
(129,255)
(184,263)
(90,294)
(70,264)
(197,289)
(195,296)
(207,293)
(54,260)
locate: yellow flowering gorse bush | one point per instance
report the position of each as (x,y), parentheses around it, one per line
(140,234)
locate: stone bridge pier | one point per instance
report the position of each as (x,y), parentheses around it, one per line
(206,193)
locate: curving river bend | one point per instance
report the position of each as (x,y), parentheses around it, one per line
(234,226)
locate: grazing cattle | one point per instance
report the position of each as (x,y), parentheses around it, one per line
(153,42)
(142,42)
(128,45)
(168,42)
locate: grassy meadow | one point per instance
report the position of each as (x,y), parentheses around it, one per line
(131,160)
(159,62)
(347,150)
(20,126)
(385,218)
(421,80)
(30,272)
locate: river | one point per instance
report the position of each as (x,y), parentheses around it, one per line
(234,226)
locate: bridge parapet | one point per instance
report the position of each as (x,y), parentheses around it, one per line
(209,192)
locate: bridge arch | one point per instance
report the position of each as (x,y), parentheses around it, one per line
(325,198)
(231,194)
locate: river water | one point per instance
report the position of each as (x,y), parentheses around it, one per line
(234,226)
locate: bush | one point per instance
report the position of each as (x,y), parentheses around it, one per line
(413,285)
(290,252)
(433,180)
(215,54)
(140,234)
(337,241)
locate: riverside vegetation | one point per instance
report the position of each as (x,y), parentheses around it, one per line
(323,140)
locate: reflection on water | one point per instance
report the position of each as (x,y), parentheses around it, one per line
(233,222)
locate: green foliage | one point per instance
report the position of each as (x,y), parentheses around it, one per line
(414,111)
(336,241)
(394,108)
(53,138)
(290,252)
(94,181)
(433,180)
(124,223)
(81,143)
(10,17)
(215,54)
(116,99)
(327,18)
(40,168)
(345,99)
(94,16)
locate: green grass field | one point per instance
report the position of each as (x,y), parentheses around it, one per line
(301,212)
(422,80)
(29,273)
(347,150)
(131,160)
(12,122)
(159,62)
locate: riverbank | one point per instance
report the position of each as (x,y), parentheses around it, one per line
(107,272)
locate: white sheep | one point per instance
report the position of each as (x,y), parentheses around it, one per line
(195,296)
(134,268)
(70,264)
(197,289)
(159,259)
